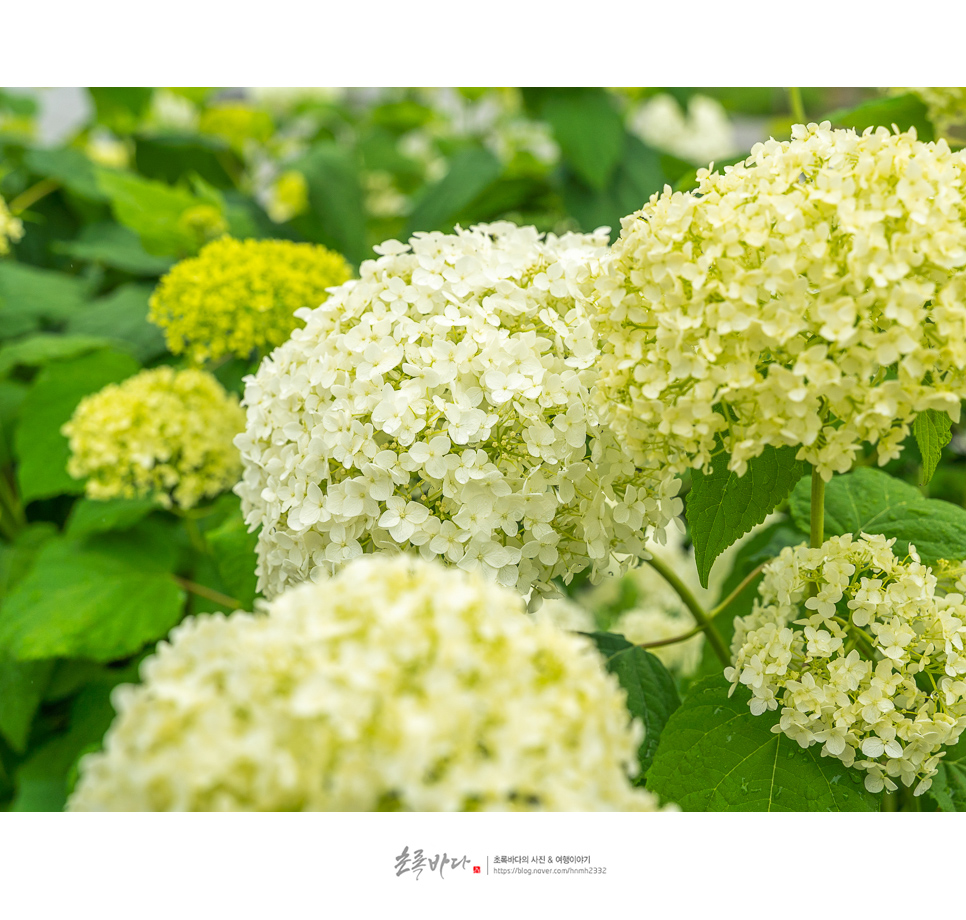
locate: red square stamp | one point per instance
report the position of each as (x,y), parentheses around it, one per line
(476,870)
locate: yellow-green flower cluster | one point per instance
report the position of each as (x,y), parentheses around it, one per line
(945,105)
(812,296)
(288,196)
(862,655)
(161,433)
(11,229)
(239,295)
(236,124)
(400,684)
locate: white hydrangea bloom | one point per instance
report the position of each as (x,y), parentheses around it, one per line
(702,134)
(565,614)
(813,296)
(869,663)
(442,403)
(397,685)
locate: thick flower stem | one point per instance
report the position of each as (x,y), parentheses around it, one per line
(818,509)
(697,611)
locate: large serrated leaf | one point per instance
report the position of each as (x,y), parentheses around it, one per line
(949,784)
(651,694)
(122,317)
(932,430)
(42,450)
(722,507)
(82,601)
(870,501)
(715,755)
(233,548)
(589,130)
(30,297)
(470,172)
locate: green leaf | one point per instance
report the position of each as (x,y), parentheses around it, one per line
(906,111)
(470,172)
(153,210)
(638,176)
(337,213)
(42,450)
(12,394)
(171,157)
(82,601)
(31,296)
(22,685)
(89,516)
(234,550)
(723,507)
(16,558)
(69,167)
(933,432)
(589,130)
(870,501)
(122,318)
(121,108)
(114,246)
(44,347)
(949,784)
(651,694)
(43,780)
(715,755)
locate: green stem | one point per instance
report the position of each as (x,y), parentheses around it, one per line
(210,593)
(11,500)
(747,580)
(795,100)
(32,195)
(697,611)
(195,535)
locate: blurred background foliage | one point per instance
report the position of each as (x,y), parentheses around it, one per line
(114,185)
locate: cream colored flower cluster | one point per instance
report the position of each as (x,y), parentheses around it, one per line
(813,296)
(861,654)
(397,685)
(161,433)
(699,135)
(442,404)
(11,229)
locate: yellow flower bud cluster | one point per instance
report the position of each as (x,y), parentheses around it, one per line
(11,229)
(161,433)
(239,295)
(813,296)
(399,684)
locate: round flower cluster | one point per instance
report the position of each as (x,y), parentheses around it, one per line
(813,296)
(397,685)
(162,432)
(11,229)
(862,655)
(442,402)
(701,134)
(239,295)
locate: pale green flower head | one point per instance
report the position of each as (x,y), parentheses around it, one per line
(813,296)
(11,229)
(162,433)
(397,685)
